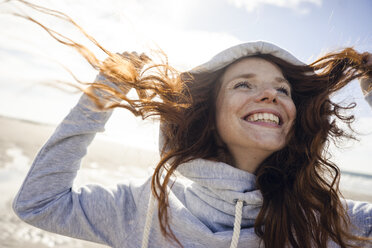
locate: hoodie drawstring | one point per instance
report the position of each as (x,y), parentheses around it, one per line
(237,224)
(146,231)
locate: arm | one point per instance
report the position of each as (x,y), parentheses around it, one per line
(47,199)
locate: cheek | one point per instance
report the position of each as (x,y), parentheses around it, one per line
(290,109)
(223,116)
(220,115)
(293,112)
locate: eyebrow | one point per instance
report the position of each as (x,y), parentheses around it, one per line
(252,75)
(244,75)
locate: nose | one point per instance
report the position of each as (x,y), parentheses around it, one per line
(267,95)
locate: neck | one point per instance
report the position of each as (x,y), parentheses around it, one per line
(248,160)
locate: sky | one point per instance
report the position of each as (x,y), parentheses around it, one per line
(190,32)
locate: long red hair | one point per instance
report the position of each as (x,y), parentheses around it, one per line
(299,184)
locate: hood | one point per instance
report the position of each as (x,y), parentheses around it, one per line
(234,53)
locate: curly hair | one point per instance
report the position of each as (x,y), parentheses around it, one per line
(302,204)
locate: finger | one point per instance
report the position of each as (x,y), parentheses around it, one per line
(125,55)
(145,58)
(138,60)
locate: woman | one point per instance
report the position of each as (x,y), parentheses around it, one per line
(243,155)
(261,115)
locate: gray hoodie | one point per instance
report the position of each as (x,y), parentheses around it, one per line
(212,204)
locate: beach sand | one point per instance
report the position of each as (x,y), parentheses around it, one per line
(107,162)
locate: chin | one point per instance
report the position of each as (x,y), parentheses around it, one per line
(272,146)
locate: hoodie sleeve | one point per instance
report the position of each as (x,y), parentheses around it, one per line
(47,199)
(360,214)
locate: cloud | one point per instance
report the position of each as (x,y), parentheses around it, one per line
(296,5)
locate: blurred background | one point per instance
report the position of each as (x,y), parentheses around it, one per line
(190,33)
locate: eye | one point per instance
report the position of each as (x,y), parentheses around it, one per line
(283,90)
(243,84)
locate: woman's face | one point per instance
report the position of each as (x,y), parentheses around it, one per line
(254,108)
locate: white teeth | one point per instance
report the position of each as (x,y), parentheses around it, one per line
(264,117)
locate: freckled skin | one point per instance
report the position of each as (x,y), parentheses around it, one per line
(253,84)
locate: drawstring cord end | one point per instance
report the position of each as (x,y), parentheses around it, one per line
(237,223)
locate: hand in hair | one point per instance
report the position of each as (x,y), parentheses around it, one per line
(138,60)
(366,82)
(132,59)
(118,73)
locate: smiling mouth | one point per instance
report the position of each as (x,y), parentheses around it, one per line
(263,117)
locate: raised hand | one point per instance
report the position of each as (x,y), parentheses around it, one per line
(138,60)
